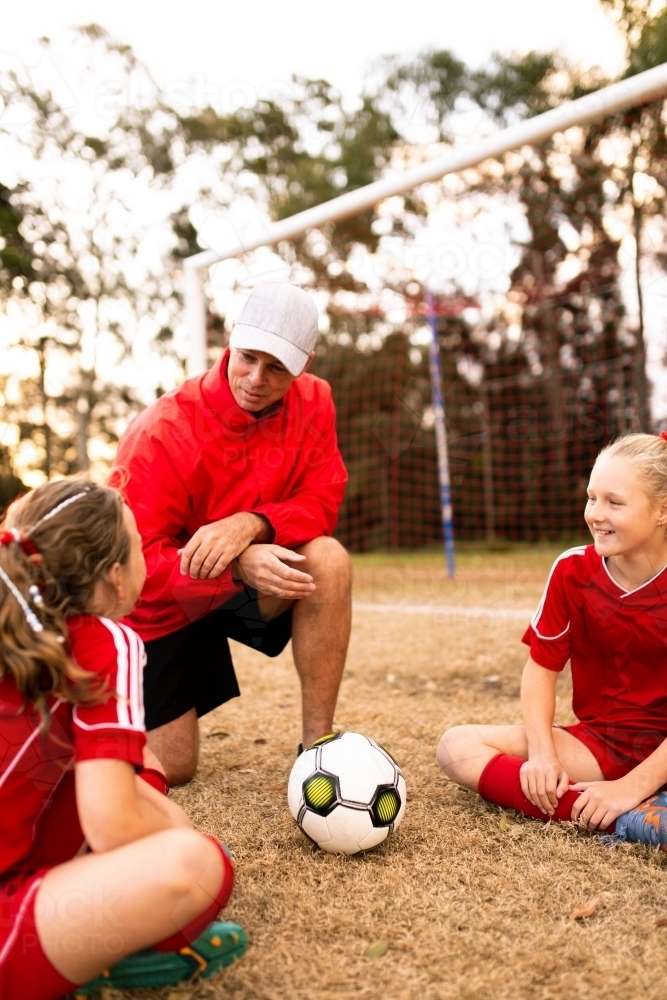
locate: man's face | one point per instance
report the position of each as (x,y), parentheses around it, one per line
(256,379)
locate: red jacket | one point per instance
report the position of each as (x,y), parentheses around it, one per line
(195,456)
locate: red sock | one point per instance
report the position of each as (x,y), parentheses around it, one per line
(188,934)
(156,779)
(500,783)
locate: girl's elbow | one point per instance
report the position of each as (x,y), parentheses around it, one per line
(105,833)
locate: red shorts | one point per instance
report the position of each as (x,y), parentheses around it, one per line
(25,971)
(616,751)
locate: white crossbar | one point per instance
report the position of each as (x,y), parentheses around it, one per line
(639,89)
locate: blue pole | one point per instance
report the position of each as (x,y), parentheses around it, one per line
(441,438)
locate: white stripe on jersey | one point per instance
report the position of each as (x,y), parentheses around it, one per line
(130,657)
(137,663)
(122,674)
(27,899)
(578,550)
(33,736)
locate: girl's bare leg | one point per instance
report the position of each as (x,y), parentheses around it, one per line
(96,909)
(464,752)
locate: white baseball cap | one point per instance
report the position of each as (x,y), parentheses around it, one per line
(279,319)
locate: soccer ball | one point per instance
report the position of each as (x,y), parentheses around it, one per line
(346,793)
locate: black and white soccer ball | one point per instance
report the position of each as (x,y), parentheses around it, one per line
(346,793)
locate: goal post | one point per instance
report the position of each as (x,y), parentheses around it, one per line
(639,89)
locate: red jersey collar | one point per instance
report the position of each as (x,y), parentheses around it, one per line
(217,393)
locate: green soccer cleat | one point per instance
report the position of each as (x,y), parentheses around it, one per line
(219,946)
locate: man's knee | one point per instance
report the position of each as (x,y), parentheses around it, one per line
(181,774)
(328,562)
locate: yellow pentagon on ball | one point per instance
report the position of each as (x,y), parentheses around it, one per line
(319,792)
(387,806)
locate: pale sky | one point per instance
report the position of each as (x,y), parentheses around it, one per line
(259,43)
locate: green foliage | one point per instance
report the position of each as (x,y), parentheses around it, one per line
(520,87)
(651,47)
(15,255)
(575,377)
(300,149)
(632,16)
(435,81)
(304,147)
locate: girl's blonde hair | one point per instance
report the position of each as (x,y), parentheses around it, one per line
(67,536)
(648,454)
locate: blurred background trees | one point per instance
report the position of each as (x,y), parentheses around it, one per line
(538,372)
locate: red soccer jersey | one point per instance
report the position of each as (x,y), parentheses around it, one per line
(616,641)
(40,823)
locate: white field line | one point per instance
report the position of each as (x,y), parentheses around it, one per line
(444,609)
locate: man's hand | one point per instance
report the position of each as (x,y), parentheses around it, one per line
(214,546)
(265,568)
(601,802)
(544,781)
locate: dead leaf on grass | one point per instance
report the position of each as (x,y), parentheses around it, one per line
(260,739)
(504,823)
(662,922)
(515,831)
(377,949)
(584,910)
(220,733)
(278,787)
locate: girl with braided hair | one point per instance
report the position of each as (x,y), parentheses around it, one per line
(604,609)
(101,875)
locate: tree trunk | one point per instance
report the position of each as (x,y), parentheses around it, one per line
(555,427)
(487,462)
(82,418)
(46,430)
(643,421)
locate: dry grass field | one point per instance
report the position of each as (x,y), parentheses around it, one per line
(473,904)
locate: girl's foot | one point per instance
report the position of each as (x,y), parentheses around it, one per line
(646,823)
(219,946)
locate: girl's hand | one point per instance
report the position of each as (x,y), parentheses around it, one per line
(544,781)
(601,802)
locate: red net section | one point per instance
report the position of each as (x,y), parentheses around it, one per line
(526,415)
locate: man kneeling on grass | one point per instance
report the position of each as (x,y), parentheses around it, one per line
(235,479)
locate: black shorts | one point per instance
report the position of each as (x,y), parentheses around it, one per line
(192,668)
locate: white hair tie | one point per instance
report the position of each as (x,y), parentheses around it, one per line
(61,506)
(30,616)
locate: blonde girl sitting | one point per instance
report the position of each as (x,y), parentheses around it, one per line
(604,609)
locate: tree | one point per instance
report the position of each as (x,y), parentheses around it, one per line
(560,346)
(74,267)
(573,364)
